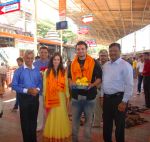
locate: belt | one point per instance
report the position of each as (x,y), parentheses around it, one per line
(118,94)
(81,97)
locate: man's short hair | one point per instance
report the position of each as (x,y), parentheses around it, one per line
(27,52)
(102,51)
(115,44)
(43,47)
(82,43)
(19,59)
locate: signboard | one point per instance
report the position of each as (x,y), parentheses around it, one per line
(87,19)
(83,30)
(62,10)
(91,42)
(8,2)
(9,7)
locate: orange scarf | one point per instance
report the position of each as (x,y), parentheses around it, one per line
(86,71)
(54,85)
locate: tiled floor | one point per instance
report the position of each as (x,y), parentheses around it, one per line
(10,124)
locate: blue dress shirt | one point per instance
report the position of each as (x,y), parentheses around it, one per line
(118,77)
(25,78)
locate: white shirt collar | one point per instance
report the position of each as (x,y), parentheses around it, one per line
(116,62)
(25,66)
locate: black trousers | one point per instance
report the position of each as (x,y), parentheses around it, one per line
(146,86)
(17,101)
(28,116)
(110,113)
(140,78)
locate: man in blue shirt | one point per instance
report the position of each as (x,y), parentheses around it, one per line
(41,64)
(43,60)
(117,88)
(27,83)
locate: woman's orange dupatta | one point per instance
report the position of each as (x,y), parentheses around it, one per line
(54,85)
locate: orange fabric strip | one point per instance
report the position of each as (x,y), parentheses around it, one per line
(54,85)
(86,71)
(66,139)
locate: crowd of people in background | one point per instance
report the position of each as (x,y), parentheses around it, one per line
(46,91)
(141,72)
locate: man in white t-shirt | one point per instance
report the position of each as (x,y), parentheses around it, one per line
(140,66)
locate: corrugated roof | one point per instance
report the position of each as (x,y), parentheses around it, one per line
(113,19)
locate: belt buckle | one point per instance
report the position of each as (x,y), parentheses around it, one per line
(80,97)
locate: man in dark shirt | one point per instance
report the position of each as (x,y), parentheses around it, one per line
(83,100)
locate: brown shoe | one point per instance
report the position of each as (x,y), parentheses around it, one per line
(1,114)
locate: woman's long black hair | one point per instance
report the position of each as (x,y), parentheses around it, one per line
(51,66)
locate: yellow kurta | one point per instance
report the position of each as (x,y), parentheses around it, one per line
(57,125)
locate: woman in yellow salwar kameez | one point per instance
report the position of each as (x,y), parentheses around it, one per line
(56,96)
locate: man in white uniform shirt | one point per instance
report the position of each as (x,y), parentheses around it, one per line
(140,66)
(117,87)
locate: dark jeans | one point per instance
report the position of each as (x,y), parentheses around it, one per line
(146,85)
(140,78)
(28,116)
(110,113)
